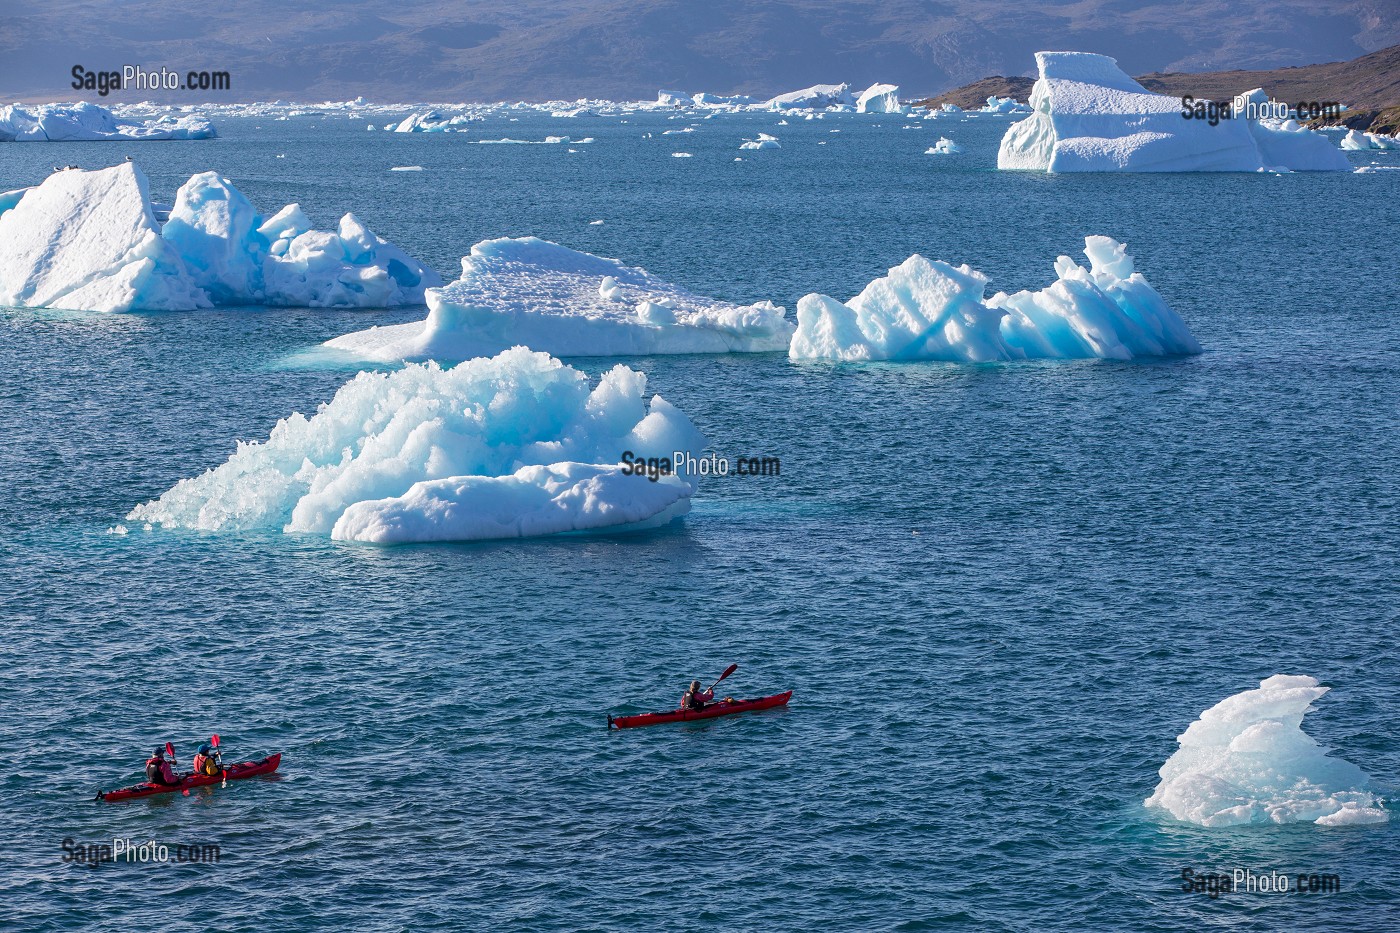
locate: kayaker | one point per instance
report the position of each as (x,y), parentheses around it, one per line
(695,698)
(159,771)
(204,762)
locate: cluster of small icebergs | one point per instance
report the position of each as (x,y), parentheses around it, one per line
(89,122)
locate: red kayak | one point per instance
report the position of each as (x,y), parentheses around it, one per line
(710,711)
(244,769)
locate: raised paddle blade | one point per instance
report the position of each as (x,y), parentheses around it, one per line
(170,749)
(214,740)
(727,671)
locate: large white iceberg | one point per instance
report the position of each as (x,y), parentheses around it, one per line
(928,310)
(1088,116)
(513,446)
(1247,760)
(538,294)
(816,96)
(84,121)
(90,241)
(1356,139)
(879,98)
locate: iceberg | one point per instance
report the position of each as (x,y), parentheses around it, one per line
(545,296)
(762,141)
(1247,760)
(431,122)
(1358,140)
(814,97)
(944,146)
(513,446)
(1088,116)
(91,241)
(1003,105)
(87,122)
(927,310)
(879,98)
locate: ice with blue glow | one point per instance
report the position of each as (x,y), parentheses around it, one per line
(513,446)
(548,297)
(929,310)
(91,241)
(1248,760)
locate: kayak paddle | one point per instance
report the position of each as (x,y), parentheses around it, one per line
(727,671)
(223,773)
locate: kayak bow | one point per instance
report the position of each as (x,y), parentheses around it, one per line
(244,769)
(710,711)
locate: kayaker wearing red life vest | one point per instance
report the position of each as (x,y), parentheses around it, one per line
(695,698)
(159,771)
(204,762)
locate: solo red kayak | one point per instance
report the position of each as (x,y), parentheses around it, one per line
(244,769)
(718,708)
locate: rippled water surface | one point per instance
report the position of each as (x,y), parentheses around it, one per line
(998,592)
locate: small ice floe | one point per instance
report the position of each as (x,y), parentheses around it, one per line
(680,155)
(944,146)
(595,223)
(407,168)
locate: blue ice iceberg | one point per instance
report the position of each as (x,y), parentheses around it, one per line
(513,446)
(90,241)
(927,310)
(1247,760)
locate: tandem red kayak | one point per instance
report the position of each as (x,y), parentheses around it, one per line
(718,708)
(244,769)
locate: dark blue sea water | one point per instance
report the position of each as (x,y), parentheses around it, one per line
(999,592)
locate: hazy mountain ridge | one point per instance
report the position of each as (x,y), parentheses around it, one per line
(626,49)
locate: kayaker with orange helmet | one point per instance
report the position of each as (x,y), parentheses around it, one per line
(696,698)
(158,769)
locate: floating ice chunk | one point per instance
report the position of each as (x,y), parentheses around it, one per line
(1088,116)
(512,446)
(1247,760)
(88,241)
(950,108)
(539,294)
(944,146)
(430,121)
(879,98)
(84,121)
(1004,105)
(595,223)
(818,95)
(933,311)
(1356,140)
(762,141)
(407,168)
(680,155)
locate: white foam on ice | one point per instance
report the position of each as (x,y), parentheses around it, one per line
(925,310)
(90,241)
(89,122)
(545,296)
(1247,760)
(512,446)
(1088,116)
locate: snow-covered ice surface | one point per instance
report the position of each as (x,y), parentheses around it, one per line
(1247,760)
(1089,116)
(84,121)
(512,446)
(90,241)
(929,310)
(545,296)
